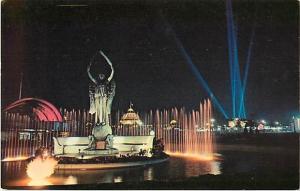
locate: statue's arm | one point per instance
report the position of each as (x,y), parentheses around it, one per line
(110,64)
(89,73)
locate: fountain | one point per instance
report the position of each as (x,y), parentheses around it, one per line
(102,144)
(183,133)
(89,139)
(191,136)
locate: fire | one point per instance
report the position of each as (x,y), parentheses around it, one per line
(39,169)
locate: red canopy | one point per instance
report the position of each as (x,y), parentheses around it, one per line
(43,110)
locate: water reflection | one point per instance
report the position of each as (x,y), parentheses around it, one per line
(148,174)
(71,180)
(118,179)
(39,182)
(215,167)
(174,169)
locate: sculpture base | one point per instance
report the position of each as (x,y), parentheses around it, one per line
(131,162)
(100,132)
(80,147)
(89,154)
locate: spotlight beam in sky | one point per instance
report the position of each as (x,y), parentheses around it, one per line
(236,86)
(193,67)
(247,69)
(230,57)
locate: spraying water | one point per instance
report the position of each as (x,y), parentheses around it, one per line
(183,133)
(191,136)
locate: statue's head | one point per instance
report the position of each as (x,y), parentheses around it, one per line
(101,76)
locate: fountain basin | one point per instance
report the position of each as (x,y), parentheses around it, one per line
(109,165)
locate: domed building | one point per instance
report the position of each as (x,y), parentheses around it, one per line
(130,119)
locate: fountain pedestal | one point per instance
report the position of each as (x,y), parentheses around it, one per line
(101,142)
(80,147)
(101,131)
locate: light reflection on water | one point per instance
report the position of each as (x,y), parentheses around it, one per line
(39,182)
(148,174)
(174,169)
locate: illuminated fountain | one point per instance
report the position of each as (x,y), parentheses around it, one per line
(85,140)
(91,152)
(189,134)
(182,133)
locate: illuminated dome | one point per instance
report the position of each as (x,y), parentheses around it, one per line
(130,118)
(35,108)
(173,122)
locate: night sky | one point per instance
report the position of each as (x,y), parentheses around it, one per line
(52,45)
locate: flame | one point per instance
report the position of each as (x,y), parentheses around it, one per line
(38,170)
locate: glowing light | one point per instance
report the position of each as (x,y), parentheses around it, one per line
(230,55)
(38,170)
(71,180)
(152,132)
(260,127)
(233,62)
(118,179)
(237,88)
(39,182)
(201,157)
(44,110)
(72,5)
(215,168)
(15,158)
(242,102)
(231,124)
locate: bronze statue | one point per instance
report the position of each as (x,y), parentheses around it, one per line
(101,92)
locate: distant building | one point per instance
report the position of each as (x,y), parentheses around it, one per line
(130,119)
(35,108)
(297,124)
(236,122)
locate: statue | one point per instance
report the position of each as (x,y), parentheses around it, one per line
(101,93)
